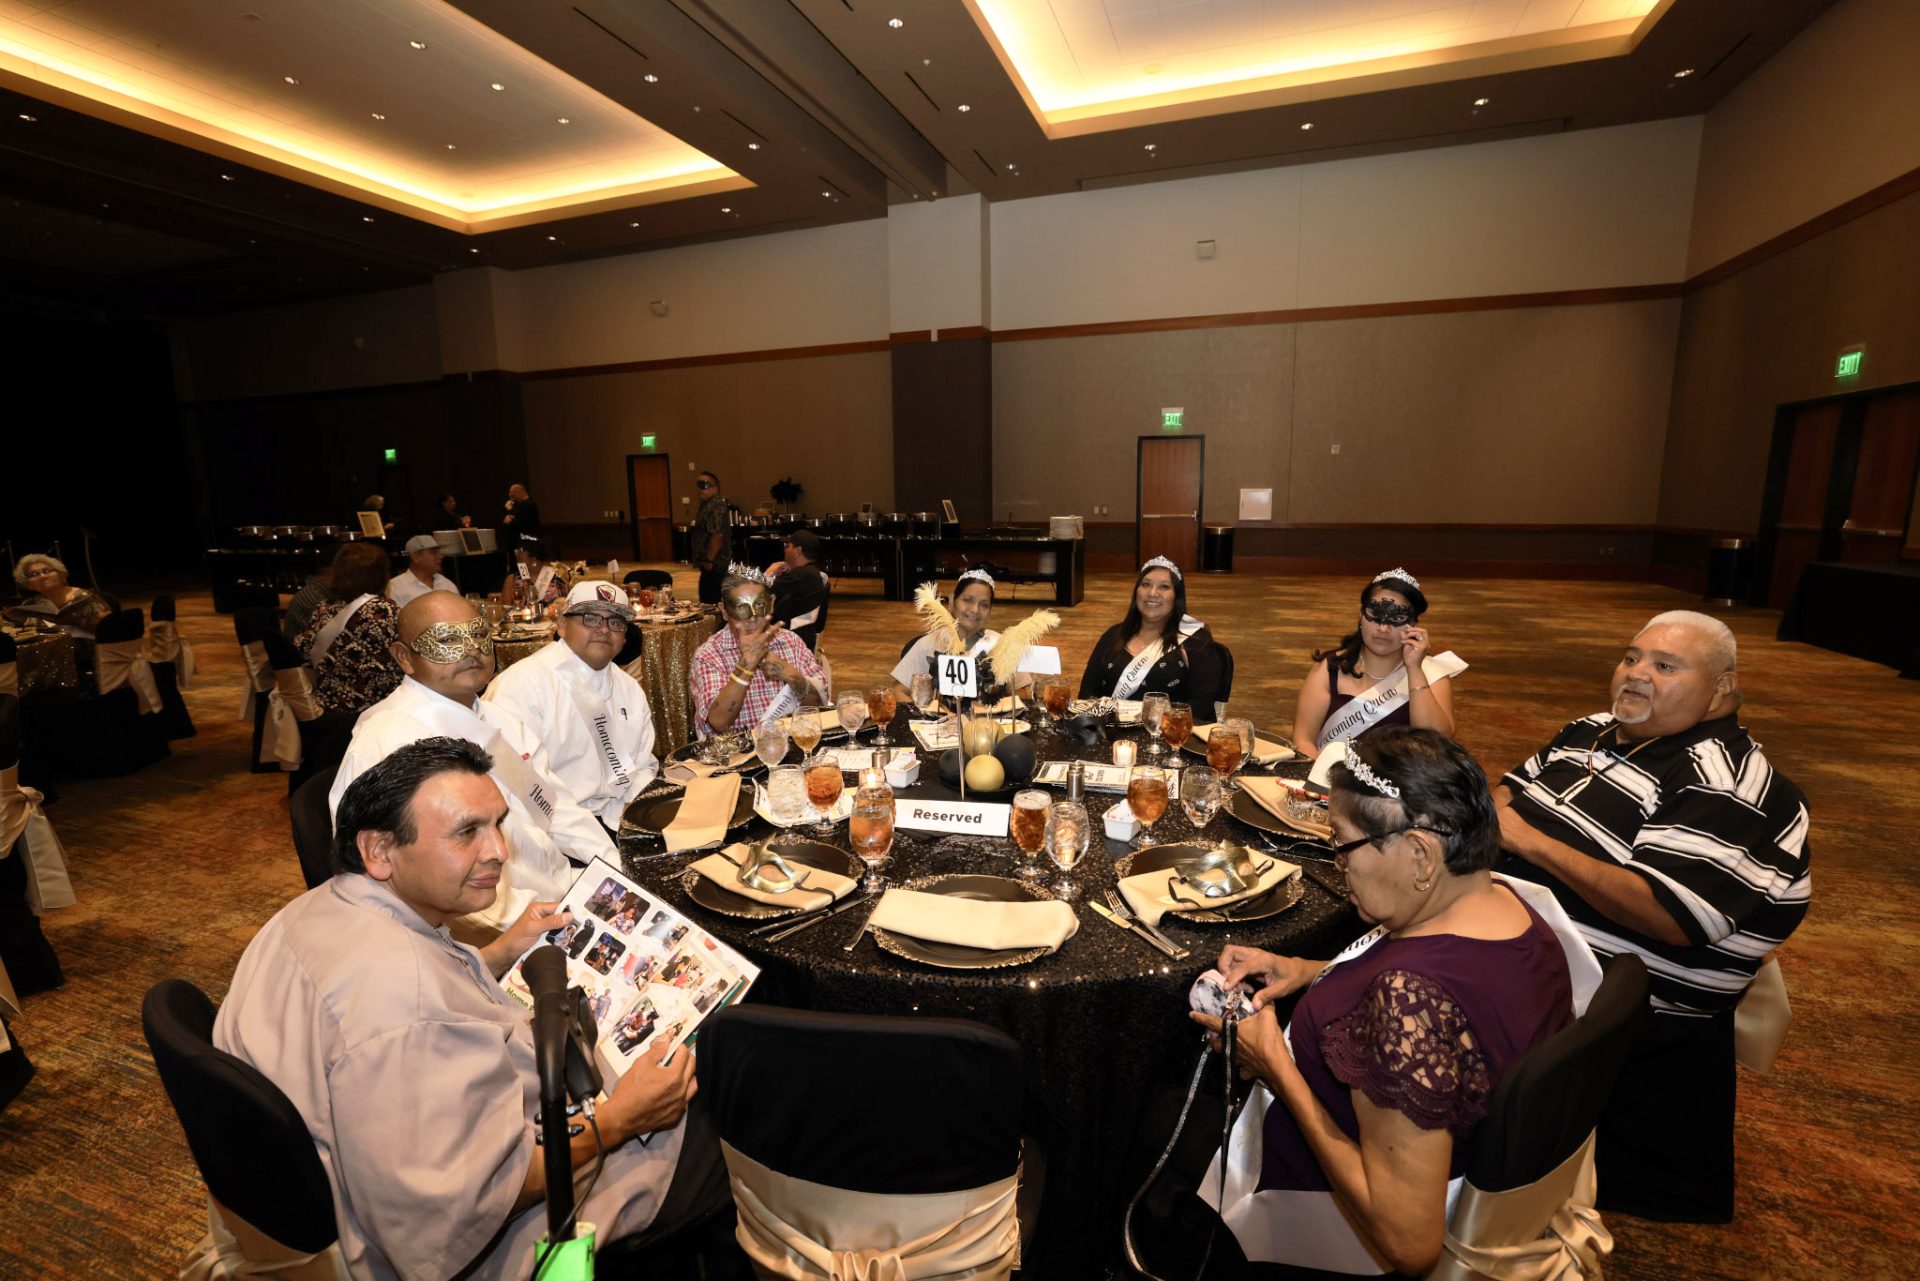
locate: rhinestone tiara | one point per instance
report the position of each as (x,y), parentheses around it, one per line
(978,576)
(1161,562)
(1364,773)
(748,574)
(1401,574)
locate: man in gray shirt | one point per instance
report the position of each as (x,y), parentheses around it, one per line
(712,537)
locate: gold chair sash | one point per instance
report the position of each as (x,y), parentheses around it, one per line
(259,678)
(1761,1020)
(120,663)
(289,702)
(1545,1231)
(165,644)
(48,885)
(10,679)
(234,1248)
(803,1231)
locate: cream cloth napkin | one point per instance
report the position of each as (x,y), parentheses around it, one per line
(1265,751)
(822,887)
(1146,893)
(1271,795)
(829,720)
(682,771)
(704,811)
(965,922)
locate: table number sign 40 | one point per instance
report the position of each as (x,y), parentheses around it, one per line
(956,676)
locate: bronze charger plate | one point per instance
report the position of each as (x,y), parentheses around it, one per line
(1157,858)
(951,956)
(716,898)
(650,815)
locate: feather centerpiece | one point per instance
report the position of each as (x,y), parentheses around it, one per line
(926,599)
(1018,639)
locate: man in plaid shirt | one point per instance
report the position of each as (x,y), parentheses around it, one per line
(752,670)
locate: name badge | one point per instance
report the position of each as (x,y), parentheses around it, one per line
(972,818)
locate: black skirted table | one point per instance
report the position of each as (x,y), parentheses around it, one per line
(1102,1020)
(1853,609)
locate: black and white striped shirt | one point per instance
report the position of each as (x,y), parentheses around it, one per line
(1719,835)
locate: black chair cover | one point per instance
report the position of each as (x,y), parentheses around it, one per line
(1226,676)
(175,720)
(32,964)
(313,826)
(649,577)
(94,735)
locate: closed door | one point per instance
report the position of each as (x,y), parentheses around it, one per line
(1803,505)
(1170,490)
(650,490)
(1883,480)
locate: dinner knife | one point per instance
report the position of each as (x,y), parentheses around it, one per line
(1134,928)
(862,932)
(794,924)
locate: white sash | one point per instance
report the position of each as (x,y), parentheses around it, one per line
(1309,1228)
(1368,709)
(1135,673)
(166,645)
(615,772)
(48,886)
(259,678)
(324,639)
(124,663)
(520,779)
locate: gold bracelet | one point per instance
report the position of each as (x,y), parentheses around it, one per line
(1418,688)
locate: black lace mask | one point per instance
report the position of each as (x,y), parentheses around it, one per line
(1388,612)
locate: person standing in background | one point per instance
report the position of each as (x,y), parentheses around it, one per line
(520,518)
(712,532)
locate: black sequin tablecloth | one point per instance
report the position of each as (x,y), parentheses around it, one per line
(1103,1020)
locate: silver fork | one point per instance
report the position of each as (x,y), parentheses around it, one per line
(1118,904)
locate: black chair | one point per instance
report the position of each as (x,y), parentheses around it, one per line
(1226,678)
(650,578)
(100,735)
(31,963)
(253,624)
(253,1149)
(313,826)
(939,1108)
(175,721)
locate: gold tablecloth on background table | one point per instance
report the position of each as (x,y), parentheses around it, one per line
(664,670)
(47,663)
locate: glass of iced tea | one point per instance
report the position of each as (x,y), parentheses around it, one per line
(1225,749)
(1153,715)
(1056,694)
(804,727)
(1068,833)
(870,831)
(1028,828)
(881,705)
(823,788)
(1176,726)
(1147,798)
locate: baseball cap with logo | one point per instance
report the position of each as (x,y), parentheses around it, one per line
(594,597)
(422,543)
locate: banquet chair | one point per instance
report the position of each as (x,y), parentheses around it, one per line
(1226,681)
(9,665)
(251,627)
(921,1169)
(119,730)
(1527,1205)
(269,1205)
(653,578)
(291,707)
(171,658)
(33,870)
(313,826)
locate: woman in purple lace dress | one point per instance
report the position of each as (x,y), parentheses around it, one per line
(1349,1159)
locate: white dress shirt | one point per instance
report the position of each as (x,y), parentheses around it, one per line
(539,867)
(596,726)
(403,587)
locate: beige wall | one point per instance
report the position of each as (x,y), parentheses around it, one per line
(826,421)
(1834,114)
(937,264)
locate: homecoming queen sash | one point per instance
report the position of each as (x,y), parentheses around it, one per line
(1369,709)
(323,640)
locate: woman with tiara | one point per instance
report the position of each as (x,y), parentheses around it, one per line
(972,606)
(1158,648)
(1379,674)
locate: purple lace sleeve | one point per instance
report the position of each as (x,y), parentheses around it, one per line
(1408,1047)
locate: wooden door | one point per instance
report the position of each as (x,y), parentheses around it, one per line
(650,493)
(1883,480)
(1169,492)
(1803,505)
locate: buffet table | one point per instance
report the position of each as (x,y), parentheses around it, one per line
(903,556)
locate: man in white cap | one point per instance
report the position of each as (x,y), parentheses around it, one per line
(591,716)
(422,575)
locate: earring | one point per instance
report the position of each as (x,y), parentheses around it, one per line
(1421,887)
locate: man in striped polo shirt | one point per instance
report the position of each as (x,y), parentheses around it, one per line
(1663,831)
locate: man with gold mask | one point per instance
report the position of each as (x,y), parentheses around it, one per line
(752,670)
(446,652)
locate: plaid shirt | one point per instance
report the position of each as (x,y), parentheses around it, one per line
(713,665)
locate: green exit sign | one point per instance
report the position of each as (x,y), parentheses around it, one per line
(1172,419)
(1848,366)
(646,442)
(393,455)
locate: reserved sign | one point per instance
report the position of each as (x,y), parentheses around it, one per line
(973,818)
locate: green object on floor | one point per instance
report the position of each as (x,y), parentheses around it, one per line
(571,1261)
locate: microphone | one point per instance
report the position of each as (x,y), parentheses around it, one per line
(545,971)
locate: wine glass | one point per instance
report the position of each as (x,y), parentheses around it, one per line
(1225,749)
(1147,798)
(823,788)
(1200,794)
(881,705)
(1057,695)
(804,726)
(870,831)
(1068,831)
(787,794)
(924,696)
(1153,711)
(853,712)
(770,743)
(1176,726)
(1028,827)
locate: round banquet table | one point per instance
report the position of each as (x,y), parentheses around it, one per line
(46,662)
(1102,1020)
(664,669)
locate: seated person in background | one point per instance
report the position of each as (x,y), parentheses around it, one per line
(312,594)
(1158,648)
(752,670)
(413,1070)
(535,578)
(50,597)
(1664,831)
(591,717)
(1332,703)
(422,575)
(1391,1054)
(447,655)
(799,588)
(349,641)
(450,514)
(972,602)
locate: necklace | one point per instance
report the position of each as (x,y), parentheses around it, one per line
(1368,676)
(1611,754)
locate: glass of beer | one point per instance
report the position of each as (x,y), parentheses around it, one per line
(804,725)
(1176,726)
(1225,750)
(770,743)
(1147,798)
(823,788)
(852,707)
(924,697)
(1153,713)
(1068,832)
(1029,828)
(1200,793)
(881,706)
(870,831)
(1056,694)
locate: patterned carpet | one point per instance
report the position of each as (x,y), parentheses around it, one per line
(177,866)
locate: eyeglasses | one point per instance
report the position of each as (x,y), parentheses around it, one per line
(1345,848)
(703,484)
(600,622)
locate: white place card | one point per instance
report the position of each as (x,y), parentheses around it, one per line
(854,759)
(971,818)
(938,736)
(1041,660)
(1099,778)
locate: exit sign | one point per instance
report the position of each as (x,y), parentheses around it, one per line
(393,455)
(646,442)
(1848,366)
(1172,419)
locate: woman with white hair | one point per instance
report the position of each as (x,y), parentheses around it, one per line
(43,580)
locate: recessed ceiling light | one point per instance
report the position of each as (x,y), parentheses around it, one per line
(633,224)
(418,44)
(226,177)
(290,80)
(1307,124)
(1013,168)
(379,115)
(473,251)
(563,121)
(1481,102)
(29,119)
(895,23)
(497,87)
(753,146)
(1152,146)
(651,79)
(450,147)
(726,208)
(963,107)
(555,238)
(1683,73)
(366,217)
